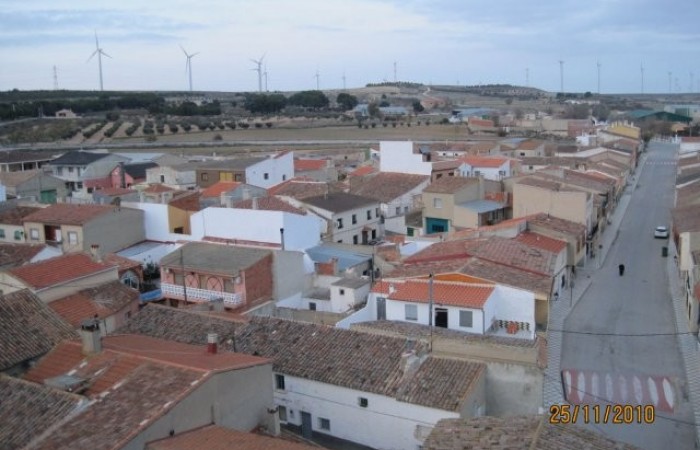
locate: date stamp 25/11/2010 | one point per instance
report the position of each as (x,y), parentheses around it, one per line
(602,414)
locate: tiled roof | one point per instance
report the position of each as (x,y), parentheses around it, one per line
(68,214)
(388,186)
(158,189)
(214,258)
(338,202)
(449,185)
(564,226)
(530,144)
(28,409)
(14,156)
(588,179)
(78,158)
(325,354)
(484,161)
(542,242)
(16,215)
(446,165)
(187,201)
(12,255)
(114,191)
(515,433)
(362,171)
(13,179)
(144,396)
(303,165)
(215,437)
(101,301)
(58,270)
(300,188)
(121,262)
(271,203)
(216,189)
(28,328)
(451,293)
(686,218)
(547,161)
(230,164)
(137,171)
(545,184)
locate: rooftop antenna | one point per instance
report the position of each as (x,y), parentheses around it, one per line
(258,68)
(55,79)
(561,76)
(598,65)
(188,64)
(641,68)
(99,52)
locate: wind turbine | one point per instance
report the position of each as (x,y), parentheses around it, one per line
(317,76)
(561,76)
(598,65)
(641,68)
(99,52)
(188,64)
(258,68)
(265,73)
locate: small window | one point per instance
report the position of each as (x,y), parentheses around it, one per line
(355,239)
(324,424)
(529,167)
(70,170)
(411,312)
(279,382)
(466,319)
(34,234)
(405,209)
(376,212)
(437,203)
(398,210)
(354,219)
(72,238)
(19,234)
(374,234)
(340,241)
(266,176)
(342,292)
(284,177)
(369,214)
(282,411)
(204,177)
(340,223)
(363,402)
(312,306)
(162,178)
(2,233)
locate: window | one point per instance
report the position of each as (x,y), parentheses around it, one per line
(477,173)
(342,292)
(374,234)
(266,176)
(324,424)
(282,411)
(279,382)
(466,319)
(2,233)
(398,210)
(529,167)
(437,203)
(354,219)
(376,212)
(363,402)
(411,312)
(369,214)
(339,223)
(284,177)
(340,241)
(70,170)
(405,209)
(162,178)
(34,234)
(354,239)
(204,177)
(72,238)
(59,170)
(18,235)
(312,306)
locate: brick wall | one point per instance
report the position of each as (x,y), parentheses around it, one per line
(259,282)
(328,268)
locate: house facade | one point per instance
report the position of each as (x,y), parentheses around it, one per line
(35,184)
(80,169)
(444,201)
(491,168)
(352,219)
(262,172)
(179,176)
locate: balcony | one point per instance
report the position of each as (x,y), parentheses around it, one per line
(200,295)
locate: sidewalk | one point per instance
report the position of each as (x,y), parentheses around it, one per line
(560,309)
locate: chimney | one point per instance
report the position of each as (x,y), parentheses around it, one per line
(410,362)
(282,238)
(95,252)
(90,333)
(212,343)
(255,202)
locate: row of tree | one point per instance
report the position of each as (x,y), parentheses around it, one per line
(313,100)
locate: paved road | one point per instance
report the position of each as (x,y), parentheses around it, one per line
(600,361)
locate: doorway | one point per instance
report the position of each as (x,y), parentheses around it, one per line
(441,317)
(306,425)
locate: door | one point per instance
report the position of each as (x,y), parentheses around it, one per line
(48,196)
(306,425)
(381,308)
(441,317)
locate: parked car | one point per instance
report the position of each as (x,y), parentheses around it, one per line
(661,232)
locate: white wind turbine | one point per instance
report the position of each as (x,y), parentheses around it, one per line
(258,68)
(188,64)
(99,52)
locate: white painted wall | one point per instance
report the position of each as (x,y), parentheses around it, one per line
(366,314)
(46,253)
(489,173)
(396,310)
(156,223)
(300,232)
(346,234)
(398,156)
(277,169)
(405,202)
(341,303)
(384,424)
(514,304)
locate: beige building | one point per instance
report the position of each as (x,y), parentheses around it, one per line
(532,196)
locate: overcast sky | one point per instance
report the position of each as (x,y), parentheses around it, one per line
(430,41)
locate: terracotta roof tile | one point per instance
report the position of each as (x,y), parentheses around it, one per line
(187,201)
(449,185)
(216,189)
(101,301)
(158,189)
(271,203)
(484,161)
(16,215)
(215,437)
(12,255)
(114,191)
(446,165)
(28,328)
(58,270)
(16,178)
(362,171)
(388,186)
(304,165)
(530,144)
(338,202)
(300,188)
(68,214)
(542,242)
(466,295)
(27,410)
(121,262)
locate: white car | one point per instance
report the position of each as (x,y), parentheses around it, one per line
(661,232)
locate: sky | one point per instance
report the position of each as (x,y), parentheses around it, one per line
(349,43)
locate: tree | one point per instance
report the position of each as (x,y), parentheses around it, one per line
(373,110)
(265,103)
(346,101)
(309,99)
(417,107)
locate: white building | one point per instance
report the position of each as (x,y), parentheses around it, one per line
(330,294)
(398,156)
(491,168)
(180,176)
(352,219)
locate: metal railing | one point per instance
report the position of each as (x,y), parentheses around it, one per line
(199,295)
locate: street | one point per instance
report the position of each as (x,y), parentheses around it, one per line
(619,343)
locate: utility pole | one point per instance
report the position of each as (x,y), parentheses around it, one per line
(394,71)
(561,77)
(55,78)
(670,82)
(184,276)
(318,84)
(430,309)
